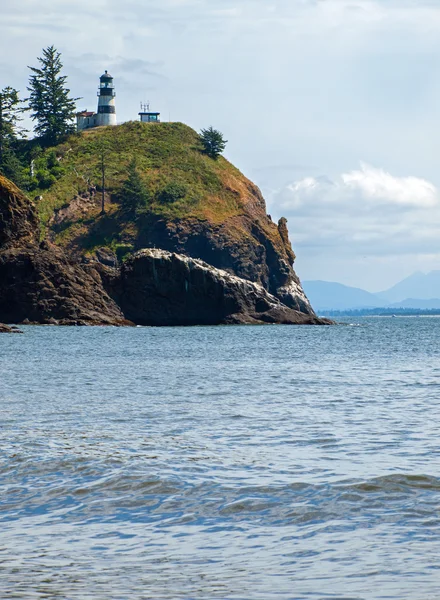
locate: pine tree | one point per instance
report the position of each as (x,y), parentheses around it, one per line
(12,168)
(213,142)
(133,193)
(50,102)
(10,116)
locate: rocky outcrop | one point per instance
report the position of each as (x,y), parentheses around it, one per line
(249,246)
(218,216)
(284,235)
(6,329)
(18,217)
(39,284)
(162,288)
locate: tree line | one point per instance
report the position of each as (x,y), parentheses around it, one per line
(51,107)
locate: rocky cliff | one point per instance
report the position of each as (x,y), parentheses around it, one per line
(200,250)
(18,216)
(196,206)
(38,282)
(156,287)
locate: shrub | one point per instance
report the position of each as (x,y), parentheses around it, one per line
(45,179)
(134,194)
(51,159)
(122,250)
(172,191)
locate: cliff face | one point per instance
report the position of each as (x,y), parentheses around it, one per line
(218,215)
(248,246)
(38,282)
(18,216)
(200,249)
(160,288)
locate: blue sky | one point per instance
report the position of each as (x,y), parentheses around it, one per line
(330,106)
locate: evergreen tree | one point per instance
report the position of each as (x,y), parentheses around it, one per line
(213,142)
(134,194)
(12,168)
(10,110)
(50,102)
(10,116)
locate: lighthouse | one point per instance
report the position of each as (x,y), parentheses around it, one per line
(106,114)
(106,101)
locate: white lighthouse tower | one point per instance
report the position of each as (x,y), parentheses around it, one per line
(106,101)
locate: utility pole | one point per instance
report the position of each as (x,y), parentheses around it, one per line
(1,128)
(103,182)
(102,158)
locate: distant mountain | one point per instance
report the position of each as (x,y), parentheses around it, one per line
(417,303)
(424,286)
(417,291)
(327,295)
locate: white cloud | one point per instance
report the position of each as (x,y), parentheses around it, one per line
(363,227)
(379,185)
(374,186)
(362,212)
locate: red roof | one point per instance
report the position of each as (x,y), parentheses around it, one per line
(85,113)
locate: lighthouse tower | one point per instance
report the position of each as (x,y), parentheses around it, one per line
(106,101)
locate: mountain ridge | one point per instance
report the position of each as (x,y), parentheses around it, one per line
(326,295)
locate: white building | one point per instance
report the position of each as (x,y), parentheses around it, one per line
(106,114)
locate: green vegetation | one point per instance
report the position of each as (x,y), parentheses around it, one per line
(134,194)
(213,142)
(111,186)
(50,102)
(152,171)
(10,116)
(22,160)
(172,192)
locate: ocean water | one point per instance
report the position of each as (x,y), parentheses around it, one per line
(221,462)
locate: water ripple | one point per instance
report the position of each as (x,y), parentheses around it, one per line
(240,463)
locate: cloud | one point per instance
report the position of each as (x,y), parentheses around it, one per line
(366,227)
(367,211)
(378,185)
(375,187)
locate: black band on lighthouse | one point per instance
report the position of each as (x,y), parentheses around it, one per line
(106,110)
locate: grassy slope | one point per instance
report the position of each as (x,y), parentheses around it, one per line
(167,152)
(217,192)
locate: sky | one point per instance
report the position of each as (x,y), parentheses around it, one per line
(330,106)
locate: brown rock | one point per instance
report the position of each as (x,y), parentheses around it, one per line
(41,285)
(7,329)
(18,216)
(162,288)
(38,283)
(284,235)
(249,247)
